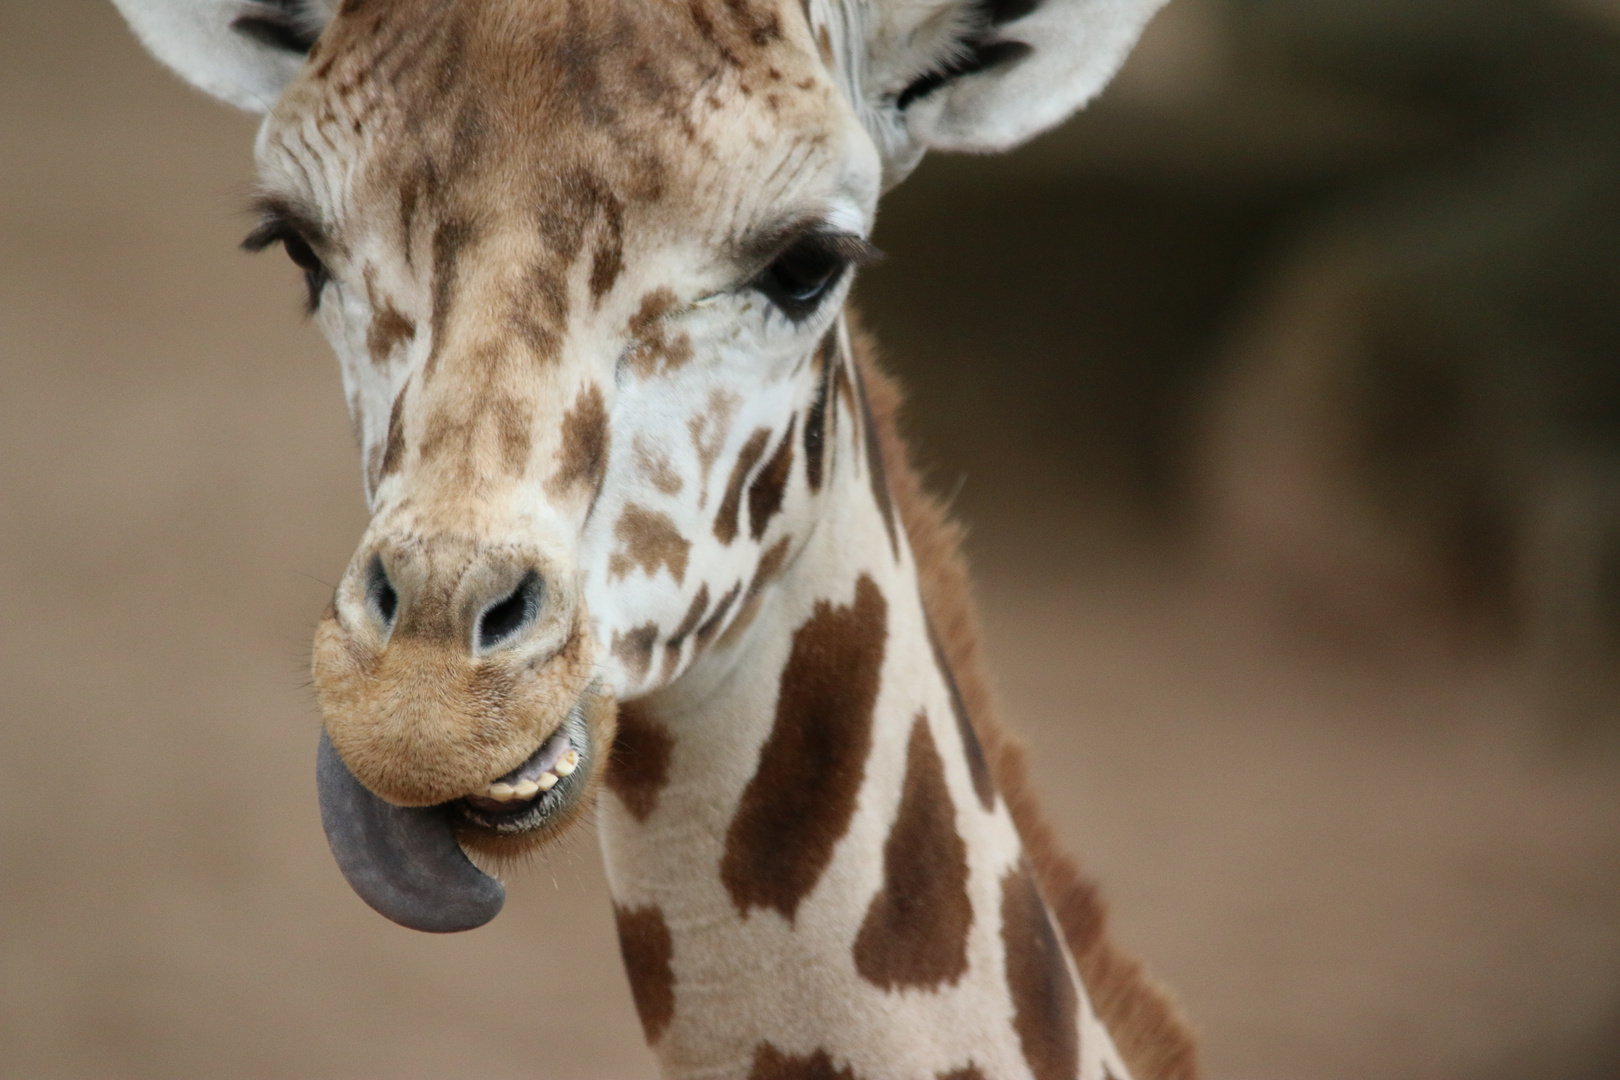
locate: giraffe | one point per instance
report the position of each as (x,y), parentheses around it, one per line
(643,536)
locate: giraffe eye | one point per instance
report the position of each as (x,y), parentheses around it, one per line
(808,269)
(278,228)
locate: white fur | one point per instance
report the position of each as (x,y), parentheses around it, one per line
(883,46)
(195,39)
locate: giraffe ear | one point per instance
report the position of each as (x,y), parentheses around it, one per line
(241,51)
(984,75)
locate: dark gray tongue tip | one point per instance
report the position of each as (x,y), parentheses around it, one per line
(404,861)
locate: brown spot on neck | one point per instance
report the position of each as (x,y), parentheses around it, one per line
(799,803)
(648,950)
(771,1064)
(1046,1006)
(916,929)
(638,767)
(1144,1025)
(650,540)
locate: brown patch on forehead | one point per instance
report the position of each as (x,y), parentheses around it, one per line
(799,803)
(650,540)
(726,521)
(648,949)
(579,200)
(449,240)
(978,767)
(916,930)
(771,1064)
(394,454)
(694,615)
(1046,1007)
(582,459)
(638,767)
(634,649)
(456,432)
(590,100)
(766,493)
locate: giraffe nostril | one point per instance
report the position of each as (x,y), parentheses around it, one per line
(380,591)
(507,617)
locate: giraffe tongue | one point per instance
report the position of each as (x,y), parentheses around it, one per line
(404,861)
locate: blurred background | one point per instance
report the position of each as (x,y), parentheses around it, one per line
(1281,391)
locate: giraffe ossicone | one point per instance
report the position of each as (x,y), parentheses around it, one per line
(642,534)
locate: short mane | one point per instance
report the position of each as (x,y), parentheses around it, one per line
(1145,1025)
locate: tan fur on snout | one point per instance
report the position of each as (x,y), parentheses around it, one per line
(420,724)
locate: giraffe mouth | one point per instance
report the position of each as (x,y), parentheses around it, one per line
(407,862)
(532,795)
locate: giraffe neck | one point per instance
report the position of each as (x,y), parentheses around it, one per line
(812,873)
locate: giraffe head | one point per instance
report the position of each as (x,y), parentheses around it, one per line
(582,262)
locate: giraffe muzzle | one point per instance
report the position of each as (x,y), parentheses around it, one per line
(445,663)
(407,862)
(456,680)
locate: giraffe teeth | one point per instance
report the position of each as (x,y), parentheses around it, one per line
(526,789)
(501,792)
(567,764)
(545,783)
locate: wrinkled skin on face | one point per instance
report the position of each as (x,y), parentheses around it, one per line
(559,250)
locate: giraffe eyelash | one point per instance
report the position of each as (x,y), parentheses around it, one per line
(280,224)
(808,267)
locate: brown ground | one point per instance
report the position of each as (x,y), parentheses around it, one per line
(1349,864)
